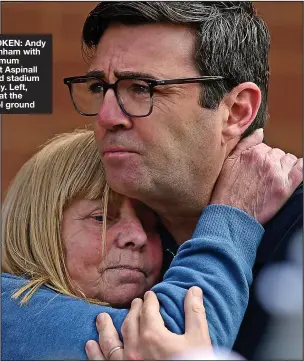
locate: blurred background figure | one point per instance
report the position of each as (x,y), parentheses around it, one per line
(280,292)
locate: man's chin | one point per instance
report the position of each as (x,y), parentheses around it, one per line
(126,184)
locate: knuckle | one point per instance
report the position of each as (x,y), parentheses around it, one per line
(261,149)
(198,308)
(149,336)
(277,153)
(145,309)
(296,175)
(291,156)
(298,169)
(106,344)
(255,153)
(268,164)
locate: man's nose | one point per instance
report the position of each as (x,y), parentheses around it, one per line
(110,115)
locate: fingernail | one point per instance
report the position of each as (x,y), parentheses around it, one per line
(89,345)
(197,292)
(134,302)
(101,318)
(146,295)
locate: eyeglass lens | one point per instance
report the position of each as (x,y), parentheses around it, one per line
(134,96)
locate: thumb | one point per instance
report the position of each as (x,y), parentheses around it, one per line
(253,139)
(196,325)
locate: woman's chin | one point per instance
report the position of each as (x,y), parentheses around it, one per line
(122,296)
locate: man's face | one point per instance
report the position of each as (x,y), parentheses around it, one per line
(175,149)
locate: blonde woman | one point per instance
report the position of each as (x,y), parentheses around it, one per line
(57,196)
(71,248)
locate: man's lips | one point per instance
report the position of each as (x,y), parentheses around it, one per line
(117,149)
(117,152)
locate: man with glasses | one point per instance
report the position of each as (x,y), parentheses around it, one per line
(134,92)
(174,87)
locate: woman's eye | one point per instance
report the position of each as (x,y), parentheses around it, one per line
(98,218)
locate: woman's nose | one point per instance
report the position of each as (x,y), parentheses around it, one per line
(132,234)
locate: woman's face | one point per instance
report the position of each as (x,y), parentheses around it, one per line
(133,252)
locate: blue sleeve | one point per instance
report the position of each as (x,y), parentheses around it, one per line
(219,259)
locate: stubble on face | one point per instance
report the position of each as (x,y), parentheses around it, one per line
(178,163)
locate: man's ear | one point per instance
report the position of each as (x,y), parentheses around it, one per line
(242,103)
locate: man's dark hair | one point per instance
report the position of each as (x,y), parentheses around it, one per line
(231,41)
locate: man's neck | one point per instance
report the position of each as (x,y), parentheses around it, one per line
(181,228)
(180,217)
(181,212)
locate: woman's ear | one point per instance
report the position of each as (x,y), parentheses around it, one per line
(242,103)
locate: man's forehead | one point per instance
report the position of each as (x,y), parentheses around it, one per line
(154,50)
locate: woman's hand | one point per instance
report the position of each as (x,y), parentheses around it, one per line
(145,335)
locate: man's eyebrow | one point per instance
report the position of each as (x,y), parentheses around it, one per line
(121,74)
(96,73)
(134,74)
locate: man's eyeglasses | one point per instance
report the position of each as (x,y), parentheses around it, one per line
(134,95)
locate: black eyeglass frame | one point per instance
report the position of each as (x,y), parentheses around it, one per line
(151,82)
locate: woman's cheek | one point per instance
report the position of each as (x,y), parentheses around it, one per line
(156,253)
(92,247)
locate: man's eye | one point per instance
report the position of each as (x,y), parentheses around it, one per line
(139,89)
(98,218)
(95,88)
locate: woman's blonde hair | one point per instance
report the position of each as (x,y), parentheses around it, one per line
(68,167)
